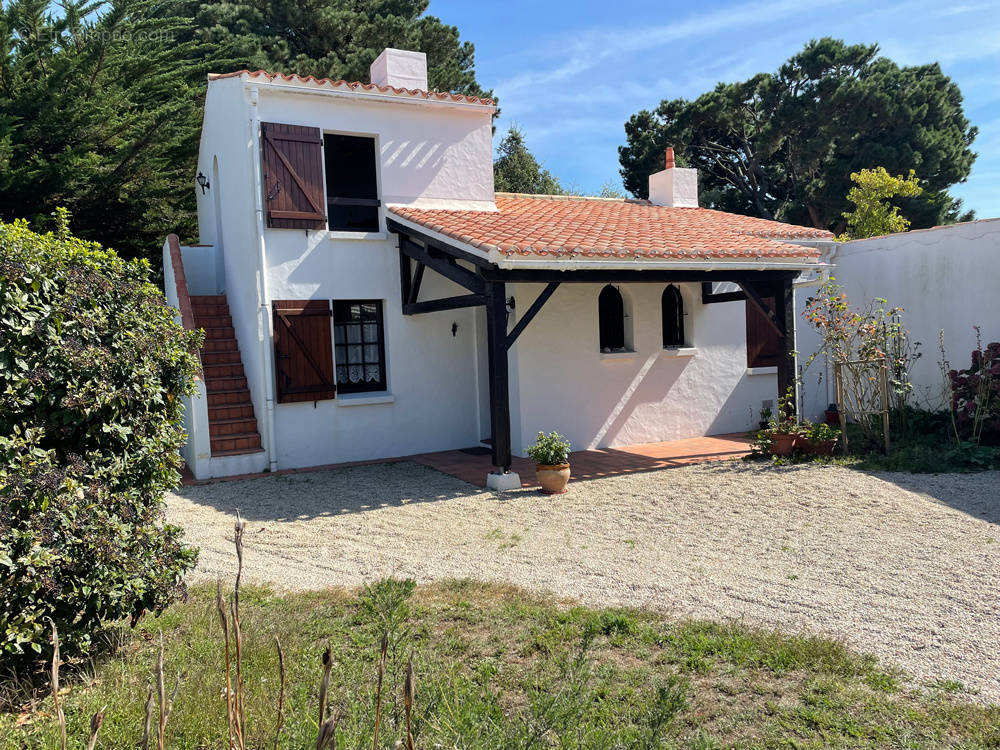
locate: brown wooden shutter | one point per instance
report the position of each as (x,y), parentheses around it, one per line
(303,350)
(293,176)
(763,342)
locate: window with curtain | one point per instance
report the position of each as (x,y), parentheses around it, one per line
(673,317)
(359,345)
(611,312)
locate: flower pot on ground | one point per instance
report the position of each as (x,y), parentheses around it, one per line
(819,439)
(550,453)
(782,443)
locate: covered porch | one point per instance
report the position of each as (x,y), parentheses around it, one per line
(489,277)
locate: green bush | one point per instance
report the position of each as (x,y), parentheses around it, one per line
(92,368)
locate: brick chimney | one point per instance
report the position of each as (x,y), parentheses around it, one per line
(400,68)
(674,186)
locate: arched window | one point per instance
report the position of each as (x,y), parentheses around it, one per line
(611,310)
(673,317)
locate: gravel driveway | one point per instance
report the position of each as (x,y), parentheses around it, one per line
(903,566)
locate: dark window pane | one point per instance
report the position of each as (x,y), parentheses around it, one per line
(351,183)
(611,314)
(361,359)
(673,317)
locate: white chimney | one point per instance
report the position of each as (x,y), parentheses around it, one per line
(400,68)
(674,186)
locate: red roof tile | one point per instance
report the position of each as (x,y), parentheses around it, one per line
(358,86)
(569,226)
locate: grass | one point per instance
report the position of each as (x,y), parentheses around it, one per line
(497,667)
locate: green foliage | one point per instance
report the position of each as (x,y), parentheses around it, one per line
(549,450)
(874,213)
(500,667)
(783,145)
(101,102)
(92,369)
(517,171)
(100,109)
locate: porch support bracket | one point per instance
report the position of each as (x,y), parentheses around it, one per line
(461,276)
(754,298)
(531,312)
(446,303)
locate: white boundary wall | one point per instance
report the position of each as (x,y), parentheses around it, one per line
(945,279)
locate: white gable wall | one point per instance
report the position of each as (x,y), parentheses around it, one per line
(429,155)
(649,396)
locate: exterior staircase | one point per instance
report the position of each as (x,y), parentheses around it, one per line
(232,426)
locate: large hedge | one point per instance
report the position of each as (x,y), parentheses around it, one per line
(92,368)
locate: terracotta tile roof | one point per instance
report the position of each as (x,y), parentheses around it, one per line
(342,85)
(597,227)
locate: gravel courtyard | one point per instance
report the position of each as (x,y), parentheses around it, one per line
(903,566)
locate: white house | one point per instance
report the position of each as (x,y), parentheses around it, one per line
(366,294)
(944,278)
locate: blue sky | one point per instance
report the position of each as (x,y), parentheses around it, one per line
(571,73)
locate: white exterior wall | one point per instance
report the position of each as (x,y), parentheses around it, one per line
(944,279)
(428,155)
(602,401)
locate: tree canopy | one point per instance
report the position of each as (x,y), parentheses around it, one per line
(516,170)
(874,213)
(101,100)
(783,145)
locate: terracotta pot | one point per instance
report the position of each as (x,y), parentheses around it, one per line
(819,448)
(782,444)
(553,478)
(824,447)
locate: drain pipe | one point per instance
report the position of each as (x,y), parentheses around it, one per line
(829,259)
(263,293)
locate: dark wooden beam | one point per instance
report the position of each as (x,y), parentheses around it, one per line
(531,312)
(496,337)
(754,297)
(708,297)
(623,276)
(784,304)
(461,276)
(418,277)
(405,277)
(446,303)
(394,226)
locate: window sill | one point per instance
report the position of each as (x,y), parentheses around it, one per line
(336,234)
(680,351)
(619,355)
(362,399)
(762,370)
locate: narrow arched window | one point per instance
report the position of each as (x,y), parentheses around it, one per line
(611,311)
(673,317)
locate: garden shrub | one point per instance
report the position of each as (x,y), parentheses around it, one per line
(92,370)
(975,397)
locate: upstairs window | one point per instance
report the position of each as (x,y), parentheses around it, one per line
(359,345)
(351,183)
(611,312)
(673,317)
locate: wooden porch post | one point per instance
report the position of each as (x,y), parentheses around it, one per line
(496,338)
(784,313)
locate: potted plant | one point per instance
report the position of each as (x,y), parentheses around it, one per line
(783,433)
(765,418)
(550,453)
(818,439)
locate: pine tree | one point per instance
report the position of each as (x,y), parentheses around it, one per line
(516,170)
(101,100)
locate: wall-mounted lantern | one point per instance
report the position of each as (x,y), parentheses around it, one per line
(203,182)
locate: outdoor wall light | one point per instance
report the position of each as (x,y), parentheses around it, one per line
(203,182)
(454,328)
